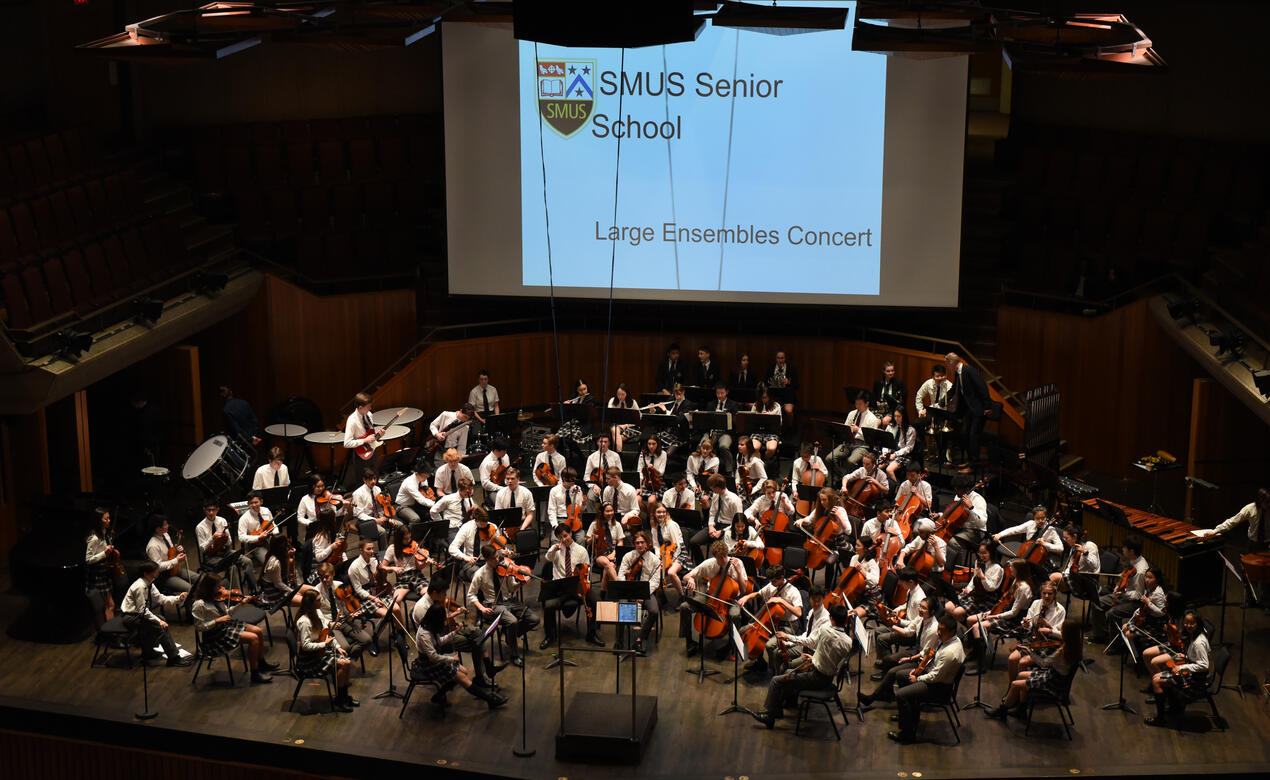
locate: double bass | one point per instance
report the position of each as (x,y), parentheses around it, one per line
(812,478)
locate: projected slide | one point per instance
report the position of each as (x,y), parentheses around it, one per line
(749,163)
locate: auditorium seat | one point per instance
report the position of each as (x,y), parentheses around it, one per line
(238,171)
(314,208)
(269,171)
(78,277)
(77,202)
(37,296)
(117,269)
(59,290)
(379,202)
(332,168)
(283,219)
(99,271)
(300,163)
(253,224)
(392,154)
(41,170)
(361,159)
(17,312)
(346,206)
(20,169)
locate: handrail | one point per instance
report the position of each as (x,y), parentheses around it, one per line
(1103,304)
(991,377)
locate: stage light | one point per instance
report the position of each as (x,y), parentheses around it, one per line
(1227,341)
(779,20)
(71,343)
(1184,308)
(209,283)
(1262,380)
(146,309)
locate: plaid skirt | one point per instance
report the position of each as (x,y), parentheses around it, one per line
(411,579)
(974,606)
(270,596)
(223,638)
(1011,628)
(99,579)
(441,674)
(318,664)
(1046,680)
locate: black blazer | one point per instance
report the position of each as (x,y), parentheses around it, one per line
(751,378)
(972,391)
(703,378)
(897,390)
(667,379)
(790,374)
(729,406)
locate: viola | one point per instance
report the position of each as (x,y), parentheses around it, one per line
(421,555)
(493,536)
(600,545)
(722,590)
(955,515)
(1174,637)
(652,479)
(597,475)
(175,549)
(1005,602)
(545,473)
(385,504)
(455,613)
(220,542)
(509,568)
(113,560)
(499,474)
(744,482)
(573,517)
(927,657)
(813,478)
(349,599)
(668,549)
(328,497)
(850,589)
(336,555)
(632,574)
(584,586)
(889,616)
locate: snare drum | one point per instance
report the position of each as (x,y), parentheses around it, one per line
(217,465)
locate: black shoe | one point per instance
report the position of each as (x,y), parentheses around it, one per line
(266,666)
(260,678)
(999,713)
(592,639)
(639,648)
(877,677)
(693,649)
(517,662)
(1150,700)
(492,668)
(767,719)
(374,651)
(545,643)
(349,700)
(342,706)
(894,718)
(179,661)
(864,699)
(439,697)
(896,736)
(1161,722)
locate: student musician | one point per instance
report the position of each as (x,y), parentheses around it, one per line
(433,666)
(598,463)
(851,452)
(415,496)
(1037,529)
(778,591)
(307,510)
(1042,623)
(1114,607)
(670,371)
(905,436)
(318,657)
(1152,612)
(622,496)
(463,638)
(273,473)
(603,538)
(888,391)
(765,405)
(651,467)
(488,597)
(896,634)
(622,399)
(1018,600)
(678,407)
(563,558)
(721,506)
(548,461)
(359,433)
(276,575)
(450,429)
(750,468)
(467,543)
(446,479)
(101,556)
(882,524)
(934,684)
(328,541)
(720,561)
(830,646)
(783,377)
(914,485)
(744,376)
(664,531)
(562,498)
(1187,680)
(705,373)
(923,627)
(455,509)
(495,463)
(516,495)
(581,394)
(216,546)
(817,616)
(352,634)
(865,559)
(701,464)
(250,535)
(400,561)
(983,590)
(933,392)
(365,578)
(807,459)
(369,508)
(869,472)
(643,565)
(742,537)
(1081,564)
(139,616)
(770,497)
(976,524)
(1045,673)
(679,495)
(721,437)
(829,504)
(483,398)
(925,540)
(221,632)
(168,556)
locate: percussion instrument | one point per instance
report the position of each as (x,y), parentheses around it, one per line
(402,415)
(1256,566)
(286,430)
(395,432)
(330,439)
(217,465)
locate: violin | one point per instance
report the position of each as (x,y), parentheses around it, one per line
(328,497)
(113,560)
(811,477)
(546,474)
(175,549)
(509,568)
(668,549)
(584,586)
(455,613)
(421,555)
(652,479)
(336,555)
(600,545)
(499,474)
(385,504)
(927,657)
(233,596)
(573,517)
(220,541)
(349,599)
(493,536)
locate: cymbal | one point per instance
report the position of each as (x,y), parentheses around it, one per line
(395,432)
(286,430)
(329,438)
(408,416)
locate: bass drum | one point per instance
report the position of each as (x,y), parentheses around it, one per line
(217,465)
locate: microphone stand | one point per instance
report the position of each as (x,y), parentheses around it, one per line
(524,751)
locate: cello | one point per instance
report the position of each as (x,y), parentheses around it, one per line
(905,515)
(757,633)
(860,496)
(850,589)
(812,478)
(955,515)
(720,591)
(774,519)
(819,544)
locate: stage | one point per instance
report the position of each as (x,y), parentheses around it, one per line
(52,689)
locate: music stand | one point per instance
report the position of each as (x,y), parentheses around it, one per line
(688,518)
(658,422)
(541,493)
(745,395)
(504,422)
(704,422)
(752,423)
(562,589)
(698,394)
(781,395)
(1120,703)
(276,498)
(628,590)
(878,439)
(779,540)
(701,608)
(618,416)
(837,432)
(738,650)
(809,492)
(506,518)
(579,413)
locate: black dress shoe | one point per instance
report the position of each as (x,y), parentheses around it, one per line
(348,699)
(896,736)
(267,666)
(1161,722)
(877,677)
(517,662)
(545,643)
(374,651)
(260,678)
(768,720)
(895,717)
(864,699)
(693,649)
(179,661)
(342,706)
(592,639)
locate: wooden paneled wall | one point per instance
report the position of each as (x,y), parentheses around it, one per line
(1126,385)
(1229,447)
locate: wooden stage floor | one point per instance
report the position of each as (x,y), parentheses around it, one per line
(691,739)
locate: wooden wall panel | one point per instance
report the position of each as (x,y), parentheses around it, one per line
(1126,386)
(1230,448)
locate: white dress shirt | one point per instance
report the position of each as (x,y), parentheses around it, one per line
(626,499)
(932,393)
(411,493)
(698,465)
(557,465)
(577,557)
(679,499)
(249,524)
(206,528)
(477,399)
(907,488)
(452,508)
(457,437)
(485,472)
(264,478)
(558,502)
(365,507)
(651,573)
(446,480)
(801,465)
(142,596)
(723,507)
(157,551)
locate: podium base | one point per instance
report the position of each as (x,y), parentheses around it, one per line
(597,727)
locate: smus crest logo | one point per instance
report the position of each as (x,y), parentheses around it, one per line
(566,94)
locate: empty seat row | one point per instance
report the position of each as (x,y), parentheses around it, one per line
(45,161)
(222,168)
(317,130)
(339,254)
(285,212)
(50,223)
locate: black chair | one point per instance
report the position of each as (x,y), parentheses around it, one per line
(794,558)
(1217,663)
(824,697)
(368,530)
(439,699)
(1062,702)
(949,705)
(526,546)
(204,658)
(112,635)
(293,649)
